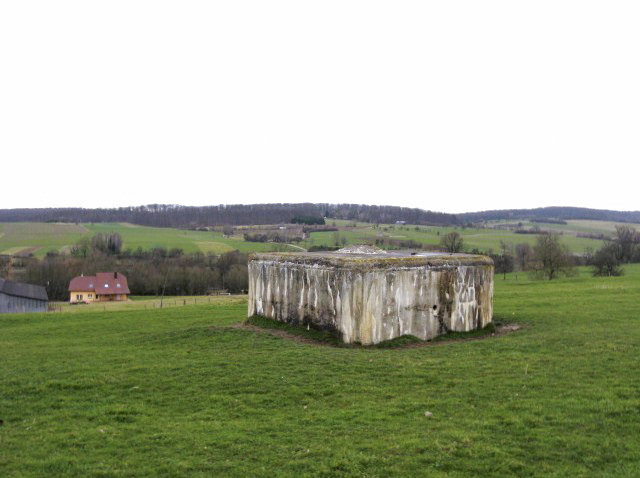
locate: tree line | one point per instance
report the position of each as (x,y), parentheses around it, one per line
(149,272)
(548,214)
(622,248)
(173,272)
(550,258)
(170,215)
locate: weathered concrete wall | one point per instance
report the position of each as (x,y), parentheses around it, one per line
(369,300)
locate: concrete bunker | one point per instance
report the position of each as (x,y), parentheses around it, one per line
(367,295)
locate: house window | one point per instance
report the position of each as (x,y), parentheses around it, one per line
(117,285)
(106,286)
(90,296)
(78,296)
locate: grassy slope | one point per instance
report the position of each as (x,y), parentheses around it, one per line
(43,237)
(578,225)
(18,236)
(177,391)
(189,241)
(483,239)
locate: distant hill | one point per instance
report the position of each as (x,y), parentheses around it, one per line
(166,215)
(169,215)
(554,212)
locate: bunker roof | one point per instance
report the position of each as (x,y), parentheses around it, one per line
(377,260)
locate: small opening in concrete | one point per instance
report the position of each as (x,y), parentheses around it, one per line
(435,307)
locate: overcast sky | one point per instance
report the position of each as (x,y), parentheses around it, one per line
(451,106)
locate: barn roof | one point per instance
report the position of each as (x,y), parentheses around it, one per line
(101,283)
(20,289)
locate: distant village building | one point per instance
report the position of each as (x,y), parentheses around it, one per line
(104,286)
(401,223)
(17,297)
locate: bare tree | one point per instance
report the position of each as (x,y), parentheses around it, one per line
(114,243)
(5,266)
(504,261)
(82,248)
(626,242)
(108,243)
(605,262)
(523,255)
(452,242)
(552,258)
(224,263)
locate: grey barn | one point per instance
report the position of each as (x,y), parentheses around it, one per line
(17,297)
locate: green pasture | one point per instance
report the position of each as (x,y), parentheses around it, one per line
(145,302)
(182,392)
(484,239)
(574,226)
(39,238)
(189,241)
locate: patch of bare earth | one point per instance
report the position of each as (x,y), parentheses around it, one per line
(500,331)
(26,251)
(279,333)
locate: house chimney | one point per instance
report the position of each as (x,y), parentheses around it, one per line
(115,275)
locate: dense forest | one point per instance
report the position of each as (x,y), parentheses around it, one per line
(168,215)
(549,214)
(165,215)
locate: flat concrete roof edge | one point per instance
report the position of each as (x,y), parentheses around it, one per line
(377,261)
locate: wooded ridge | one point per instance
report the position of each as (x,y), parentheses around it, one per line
(171,215)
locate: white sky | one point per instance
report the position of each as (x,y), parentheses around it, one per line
(451,106)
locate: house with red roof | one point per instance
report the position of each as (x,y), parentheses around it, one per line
(104,286)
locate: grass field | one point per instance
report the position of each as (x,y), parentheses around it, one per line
(146,303)
(180,392)
(484,239)
(189,241)
(16,237)
(38,238)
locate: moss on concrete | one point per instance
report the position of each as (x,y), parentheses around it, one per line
(375,262)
